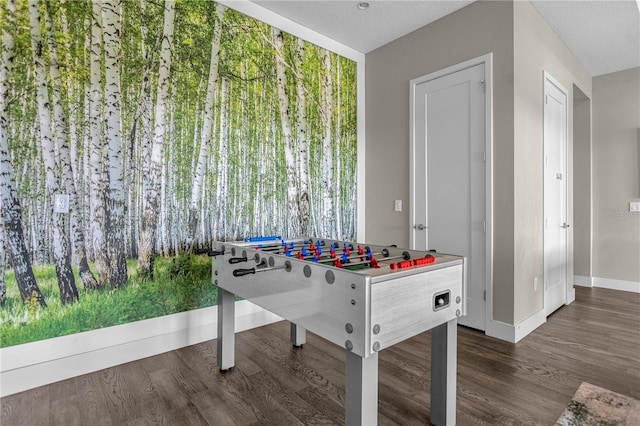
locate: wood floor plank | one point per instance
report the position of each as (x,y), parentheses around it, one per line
(596,339)
(327,407)
(406,380)
(213,409)
(65,412)
(119,399)
(172,396)
(189,416)
(401,408)
(317,358)
(188,380)
(26,408)
(64,409)
(147,402)
(304,412)
(266,405)
(91,399)
(234,388)
(289,371)
(137,422)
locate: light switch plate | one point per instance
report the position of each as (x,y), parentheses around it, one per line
(634,206)
(61,203)
(397,205)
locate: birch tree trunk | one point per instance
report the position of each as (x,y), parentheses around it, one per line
(98,187)
(146,252)
(303,139)
(221,188)
(12,236)
(112,21)
(294,228)
(3,287)
(85,136)
(59,222)
(61,136)
(72,102)
(141,130)
(163,222)
(207,126)
(327,157)
(337,142)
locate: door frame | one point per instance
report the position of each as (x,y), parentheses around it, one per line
(487,61)
(549,79)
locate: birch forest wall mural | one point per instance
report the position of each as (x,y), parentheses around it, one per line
(165,125)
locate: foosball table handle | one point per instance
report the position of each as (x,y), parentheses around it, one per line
(242,272)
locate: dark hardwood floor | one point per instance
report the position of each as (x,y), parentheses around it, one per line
(596,339)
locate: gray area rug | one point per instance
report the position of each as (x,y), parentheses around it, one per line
(593,405)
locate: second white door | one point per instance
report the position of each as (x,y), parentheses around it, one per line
(555,195)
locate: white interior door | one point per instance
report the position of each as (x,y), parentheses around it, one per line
(448,163)
(555,195)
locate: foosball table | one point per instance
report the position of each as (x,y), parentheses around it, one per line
(363,298)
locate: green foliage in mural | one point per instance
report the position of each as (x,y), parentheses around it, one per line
(172,291)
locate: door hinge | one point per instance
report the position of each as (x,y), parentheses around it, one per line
(484,156)
(484,86)
(484,226)
(484,294)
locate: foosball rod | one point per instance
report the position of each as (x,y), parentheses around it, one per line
(332,256)
(321,244)
(324,256)
(407,262)
(385,253)
(292,245)
(312,251)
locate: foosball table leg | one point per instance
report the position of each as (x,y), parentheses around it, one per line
(443,373)
(226,329)
(361,390)
(298,335)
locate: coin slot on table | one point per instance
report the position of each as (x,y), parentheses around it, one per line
(441,300)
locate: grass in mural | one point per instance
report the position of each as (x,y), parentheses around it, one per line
(180,284)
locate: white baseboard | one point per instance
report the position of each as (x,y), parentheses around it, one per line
(622,285)
(632,286)
(582,281)
(500,330)
(515,333)
(30,365)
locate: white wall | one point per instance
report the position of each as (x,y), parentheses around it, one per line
(616,179)
(582,187)
(537,49)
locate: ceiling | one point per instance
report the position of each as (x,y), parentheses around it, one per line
(603,35)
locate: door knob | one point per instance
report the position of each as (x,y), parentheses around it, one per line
(564,225)
(419,227)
